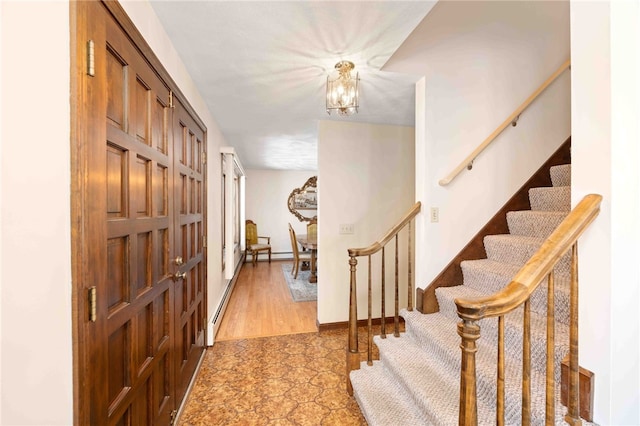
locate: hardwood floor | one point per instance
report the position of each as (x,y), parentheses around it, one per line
(261,306)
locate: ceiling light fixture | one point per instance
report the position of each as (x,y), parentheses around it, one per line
(342,90)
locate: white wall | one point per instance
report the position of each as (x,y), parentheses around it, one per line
(366,178)
(605,50)
(35,266)
(266,204)
(145,19)
(480,61)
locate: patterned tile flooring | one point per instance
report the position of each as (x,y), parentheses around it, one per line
(297,379)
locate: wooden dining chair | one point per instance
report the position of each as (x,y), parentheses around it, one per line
(312,229)
(298,257)
(254,246)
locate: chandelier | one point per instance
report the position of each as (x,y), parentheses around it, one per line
(342,90)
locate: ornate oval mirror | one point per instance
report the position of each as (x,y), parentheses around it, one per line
(303,202)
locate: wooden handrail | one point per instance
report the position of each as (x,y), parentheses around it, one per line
(511,119)
(377,246)
(539,269)
(539,266)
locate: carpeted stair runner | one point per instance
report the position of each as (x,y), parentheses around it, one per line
(416,381)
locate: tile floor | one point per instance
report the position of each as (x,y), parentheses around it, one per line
(297,379)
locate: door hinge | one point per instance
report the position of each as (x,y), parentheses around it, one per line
(204,241)
(92,304)
(174,417)
(91,58)
(171,105)
(204,157)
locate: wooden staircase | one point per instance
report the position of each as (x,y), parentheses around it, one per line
(489,348)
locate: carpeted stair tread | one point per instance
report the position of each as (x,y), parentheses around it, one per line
(511,249)
(532,223)
(553,198)
(430,333)
(447,295)
(518,249)
(561,175)
(489,277)
(513,326)
(382,399)
(434,384)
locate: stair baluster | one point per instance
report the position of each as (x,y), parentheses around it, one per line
(396,313)
(383,316)
(409,272)
(369,321)
(500,383)
(526,364)
(573,411)
(353,355)
(550,406)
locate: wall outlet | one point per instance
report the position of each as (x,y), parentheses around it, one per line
(435,214)
(346,228)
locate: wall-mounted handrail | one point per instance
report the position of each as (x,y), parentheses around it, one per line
(513,118)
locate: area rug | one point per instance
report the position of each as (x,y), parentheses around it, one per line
(300,288)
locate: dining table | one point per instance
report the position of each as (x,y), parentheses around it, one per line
(311,244)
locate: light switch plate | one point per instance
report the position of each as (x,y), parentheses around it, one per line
(346,228)
(435,215)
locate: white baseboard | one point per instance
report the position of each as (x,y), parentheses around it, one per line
(214,321)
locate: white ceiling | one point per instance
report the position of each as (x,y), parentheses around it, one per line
(262,66)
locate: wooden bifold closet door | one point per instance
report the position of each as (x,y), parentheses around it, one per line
(139,207)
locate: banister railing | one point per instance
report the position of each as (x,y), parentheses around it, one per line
(511,120)
(353,354)
(518,292)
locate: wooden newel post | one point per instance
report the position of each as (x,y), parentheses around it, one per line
(353,356)
(469,331)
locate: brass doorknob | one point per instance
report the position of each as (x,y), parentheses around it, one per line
(180,276)
(178,261)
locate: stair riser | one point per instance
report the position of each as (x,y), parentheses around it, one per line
(373,387)
(556,198)
(560,175)
(512,253)
(428,411)
(533,224)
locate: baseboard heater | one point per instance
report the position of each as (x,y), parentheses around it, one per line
(223,304)
(225,298)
